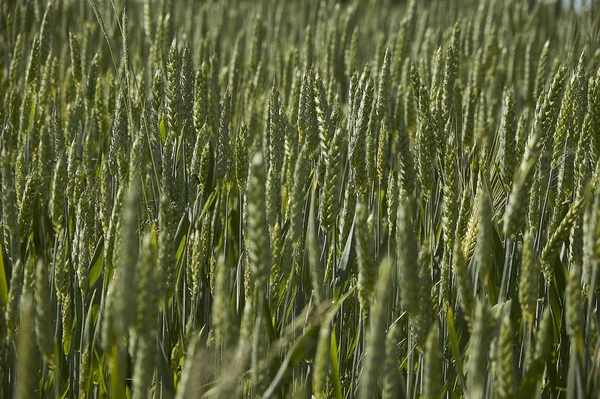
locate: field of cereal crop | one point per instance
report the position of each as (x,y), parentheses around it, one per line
(299,199)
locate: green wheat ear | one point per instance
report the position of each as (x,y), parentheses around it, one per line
(483,250)
(259,252)
(329,204)
(297,197)
(504,360)
(147,275)
(393,381)
(508,137)
(463,281)
(376,332)
(27,351)
(314,252)
(407,255)
(365,255)
(529,278)
(432,373)
(574,304)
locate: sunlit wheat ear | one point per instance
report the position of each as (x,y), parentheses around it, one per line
(75,59)
(367,272)
(259,252)
(297,197)
(392,202)
(448,108)
(173,90)
(504,361)
(81,251)
(357,142)
(547,116)
(436,99)
(350,54)
(191,386)
(405,39)
(381,155)
(9,207)
(406,162)
(44,324)
(463,281)
(273,148)
(479,348)
(516,209)
(433,362)
(348,209)
(329,203)
(542,70)
(425,143)
(375,350)
(27,371)
(33,67)
(307,117)
(314,252)
(222,316)
(508,138)
(558,236)
(529,278)
(450,205)
(323,112)
(187,84)
(16,59)
(424,319)
(120,305)
(223,149)
(14,298)
(470,100)
(393,383)
(544,336)
(322,361)
(407,256)
(147,276)
(383,109)
(564,123)
(583,151)
(483,250)
(574,303)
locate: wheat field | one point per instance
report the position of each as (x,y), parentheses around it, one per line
(299,199)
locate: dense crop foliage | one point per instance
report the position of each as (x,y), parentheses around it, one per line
(291,198)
